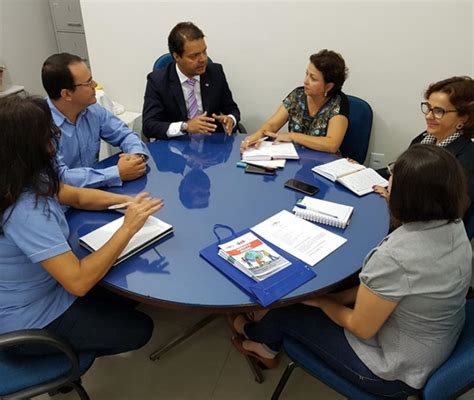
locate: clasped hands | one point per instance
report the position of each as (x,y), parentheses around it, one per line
(205,125)
(131,166)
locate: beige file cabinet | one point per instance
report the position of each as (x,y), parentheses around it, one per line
(69,28)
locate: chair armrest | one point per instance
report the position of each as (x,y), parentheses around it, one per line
(40,336)
(241,127)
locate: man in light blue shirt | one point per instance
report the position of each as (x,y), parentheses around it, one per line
(83,123)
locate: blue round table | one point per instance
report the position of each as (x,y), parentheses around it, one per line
(198,179)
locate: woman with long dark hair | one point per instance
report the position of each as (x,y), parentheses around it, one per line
(42,283)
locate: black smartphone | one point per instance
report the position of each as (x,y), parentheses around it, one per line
(301,186)
(254,169)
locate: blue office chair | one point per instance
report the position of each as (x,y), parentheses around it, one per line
(24,376)
(469,224)
(163,61)
(356,140)
(453,378)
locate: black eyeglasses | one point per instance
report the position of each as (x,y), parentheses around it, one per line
(89,82)
(438,112)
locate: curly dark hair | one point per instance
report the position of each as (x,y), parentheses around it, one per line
(28,142)
(460,90)
(333,68)
(428,183)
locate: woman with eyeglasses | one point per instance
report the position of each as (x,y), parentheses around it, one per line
(388,334)
(449,114)
(43,285)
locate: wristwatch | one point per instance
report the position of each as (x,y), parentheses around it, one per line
(184,127)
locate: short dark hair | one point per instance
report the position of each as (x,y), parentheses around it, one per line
(180,33)
(428,183)
(56,74)
(333,68)
(460,90)
(28,140)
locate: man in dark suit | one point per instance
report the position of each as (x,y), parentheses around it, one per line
(189,95)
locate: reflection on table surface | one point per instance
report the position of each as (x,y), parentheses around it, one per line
(198,179)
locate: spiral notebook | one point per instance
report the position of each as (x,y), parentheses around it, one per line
(323,212)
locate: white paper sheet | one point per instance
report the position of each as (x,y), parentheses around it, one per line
(302,239)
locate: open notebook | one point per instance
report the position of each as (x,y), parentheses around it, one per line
(153,230)
(355,177)
(323,212)
(271,151)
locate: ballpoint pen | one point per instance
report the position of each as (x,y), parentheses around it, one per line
(299,205)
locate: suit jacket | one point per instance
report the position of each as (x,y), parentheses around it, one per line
(164,100)
(463,149)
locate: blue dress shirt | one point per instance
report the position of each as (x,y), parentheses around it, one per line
(79,146)
(32,232)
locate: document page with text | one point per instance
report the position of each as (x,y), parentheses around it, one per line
(302,239)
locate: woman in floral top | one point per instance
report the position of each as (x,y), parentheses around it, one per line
(317,113)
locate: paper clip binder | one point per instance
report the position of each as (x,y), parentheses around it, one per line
(270,289)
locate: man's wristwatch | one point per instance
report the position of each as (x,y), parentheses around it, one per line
(184,127)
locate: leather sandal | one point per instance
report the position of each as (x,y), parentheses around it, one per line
(269,363)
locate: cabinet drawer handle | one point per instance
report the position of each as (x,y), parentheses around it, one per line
(74,25)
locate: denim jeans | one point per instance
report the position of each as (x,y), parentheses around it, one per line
(101,322)
(311,327)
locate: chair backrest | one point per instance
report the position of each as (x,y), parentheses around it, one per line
(469,223)
(163,60)
(356,140)
(456,375)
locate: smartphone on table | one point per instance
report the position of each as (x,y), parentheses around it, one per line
(301,186)
(254,169)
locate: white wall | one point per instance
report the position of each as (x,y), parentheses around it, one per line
(393,49)
(26,40)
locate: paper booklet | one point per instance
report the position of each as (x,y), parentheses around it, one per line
(253,257)
(355,177)
(271,151)
(302,239)
(153,230)
(324,212)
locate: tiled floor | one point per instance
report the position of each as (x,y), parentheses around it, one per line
(205,367)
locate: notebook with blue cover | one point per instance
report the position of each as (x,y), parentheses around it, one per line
(270,289)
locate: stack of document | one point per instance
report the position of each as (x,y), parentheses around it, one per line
(153,230)
(252,257)
(355,177)
(271,151)
(324,212)
(302,239)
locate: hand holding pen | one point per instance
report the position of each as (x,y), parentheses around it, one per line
(122,207)
(249,142)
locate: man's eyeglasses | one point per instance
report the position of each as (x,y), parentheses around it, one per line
(438,112)
(89,82)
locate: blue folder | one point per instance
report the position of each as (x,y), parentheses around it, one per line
(270,289)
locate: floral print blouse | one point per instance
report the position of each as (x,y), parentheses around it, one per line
(300,121)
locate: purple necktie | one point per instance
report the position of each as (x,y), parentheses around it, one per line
(191,100)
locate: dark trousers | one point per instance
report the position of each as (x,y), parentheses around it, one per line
(314,329)
(101,322)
